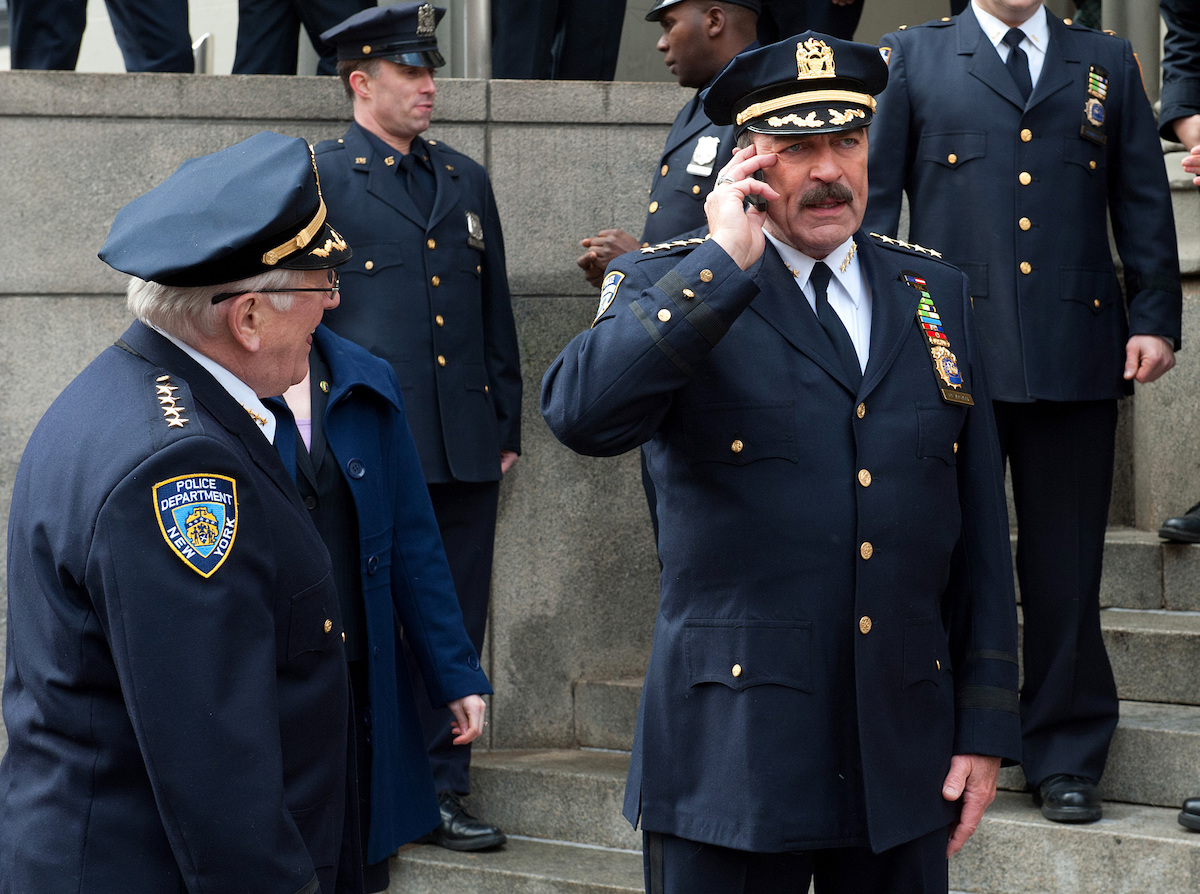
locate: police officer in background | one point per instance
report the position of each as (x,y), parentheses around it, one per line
(556,40)
(836,636)
(268,33)
(699,37)
(175,690)
(427,291)
(1017,138)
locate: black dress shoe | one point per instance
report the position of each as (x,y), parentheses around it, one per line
(1184,528)
(1068,799)
(459,831)
(1190,815)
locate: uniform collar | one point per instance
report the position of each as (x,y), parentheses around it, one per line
(844,256)
(236,388)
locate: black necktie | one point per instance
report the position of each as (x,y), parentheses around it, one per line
(1018,62)
(419,179)
(832,323)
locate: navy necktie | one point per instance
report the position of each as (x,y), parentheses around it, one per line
(1018,62)
(420,182)
(832,323)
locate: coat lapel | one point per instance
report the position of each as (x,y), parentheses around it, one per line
(447,195)
(382,180)
(687,124)
(985,64)
(893,310)
(1060,68)
(217,401)
(781,303)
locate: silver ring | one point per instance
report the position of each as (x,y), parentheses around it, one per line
(722,180)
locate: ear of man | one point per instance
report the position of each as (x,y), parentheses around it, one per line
(244,321)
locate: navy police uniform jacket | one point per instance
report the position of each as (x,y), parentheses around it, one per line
(431,298)
(836,616)
(1019,197)
(695,151)
(404,576)
(175,694)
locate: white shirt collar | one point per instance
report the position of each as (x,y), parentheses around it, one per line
(801,266)
(238,390)
(1036,28)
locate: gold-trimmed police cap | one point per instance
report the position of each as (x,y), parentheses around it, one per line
(656,11)
(810,83)
(253,207)
(405,33)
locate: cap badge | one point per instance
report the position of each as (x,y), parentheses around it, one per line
(426,23)
(814,59)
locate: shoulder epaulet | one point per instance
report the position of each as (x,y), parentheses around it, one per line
(909,246)
(445,147)
(328,146)
(689,244)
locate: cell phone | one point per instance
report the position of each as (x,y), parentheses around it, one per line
(756,200)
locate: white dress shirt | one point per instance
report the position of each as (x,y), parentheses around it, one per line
(1037,37)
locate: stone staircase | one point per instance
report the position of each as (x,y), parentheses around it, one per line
(561,807)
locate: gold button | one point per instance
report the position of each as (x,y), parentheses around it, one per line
(436,280)
(860,411)
(864,625)
(945,18)
(956,446)
(937,664)
(864,477)
(486,389)
(370,265)
(440,320)
(866,550)
(689,294)
(1026,135)
(441,360)
(1026,267)
(737,670)
(952,158)
(1067,21)
(478,268)
(653,207)
(366,49)
(1096,303)
(1025,178)
(343,636)
(431,243)
(705,275)
(431,142)
(1092,165)
(663,171)
(1024,223)
(695,190)
(737,445)
(664,315)
(328,625)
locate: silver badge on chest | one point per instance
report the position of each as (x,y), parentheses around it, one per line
(704,156)
(474,231)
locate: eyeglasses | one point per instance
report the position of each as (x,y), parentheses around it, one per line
(334,279)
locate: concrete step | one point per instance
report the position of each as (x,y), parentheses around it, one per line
(1133,850)
(523,866)
(571,795)
(1154,760)
(1155,654)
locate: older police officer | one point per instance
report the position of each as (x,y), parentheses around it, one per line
(836,634)
(175,692)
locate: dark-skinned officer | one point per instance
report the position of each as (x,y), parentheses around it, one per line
(175,691)
(427,291)
(836,636)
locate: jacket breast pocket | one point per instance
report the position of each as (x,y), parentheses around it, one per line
(741,653)
(372,259)
(314,624)
(952,150)
(739,434)
(925,654)
(938,427)
(1084,154)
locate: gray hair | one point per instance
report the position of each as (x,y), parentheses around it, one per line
(188,313)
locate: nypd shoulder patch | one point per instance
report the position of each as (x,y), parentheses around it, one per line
(608,292)
(197,515)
